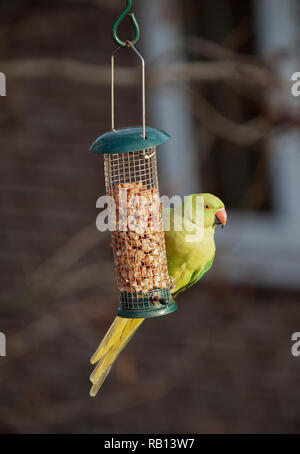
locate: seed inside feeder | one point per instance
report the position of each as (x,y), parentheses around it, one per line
(139,251)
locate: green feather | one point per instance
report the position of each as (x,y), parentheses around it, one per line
(197,278)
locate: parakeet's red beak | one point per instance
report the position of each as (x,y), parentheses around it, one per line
(221,217)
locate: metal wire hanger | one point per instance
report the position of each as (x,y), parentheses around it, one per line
(128,44)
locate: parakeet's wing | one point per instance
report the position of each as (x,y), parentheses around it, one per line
(195,278)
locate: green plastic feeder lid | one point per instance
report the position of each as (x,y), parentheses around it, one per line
(126,140)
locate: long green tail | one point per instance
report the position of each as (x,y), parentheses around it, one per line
(116,338)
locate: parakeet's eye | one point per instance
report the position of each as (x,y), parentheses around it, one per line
(206,207)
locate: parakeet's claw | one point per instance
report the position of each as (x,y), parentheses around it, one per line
(164,301)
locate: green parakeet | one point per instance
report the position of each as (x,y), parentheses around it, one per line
(190,250)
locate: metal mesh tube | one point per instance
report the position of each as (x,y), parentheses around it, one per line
(138,241)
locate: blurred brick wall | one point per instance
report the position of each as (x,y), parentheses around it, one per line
(222,363)
(50,182)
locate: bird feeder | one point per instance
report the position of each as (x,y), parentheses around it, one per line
(138,242)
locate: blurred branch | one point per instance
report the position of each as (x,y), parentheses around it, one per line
(246,73)
(84,278)
(55,277)
(67,69)
(214,51)
(239,35)
(50,324)
(241,134)
(242,74)
(200,71)
(67,256)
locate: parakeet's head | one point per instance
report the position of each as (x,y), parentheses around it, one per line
(214,210)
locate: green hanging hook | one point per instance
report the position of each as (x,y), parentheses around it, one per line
(134,24)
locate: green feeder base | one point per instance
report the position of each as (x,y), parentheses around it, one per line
(150,313)
(154,304)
